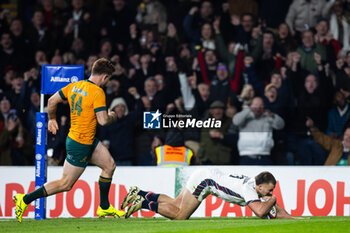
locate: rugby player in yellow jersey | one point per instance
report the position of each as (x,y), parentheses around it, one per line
(87,103)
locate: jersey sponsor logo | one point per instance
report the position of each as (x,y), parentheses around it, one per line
(79,91)
(151,120)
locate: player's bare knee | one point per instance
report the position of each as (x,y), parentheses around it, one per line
(109,168)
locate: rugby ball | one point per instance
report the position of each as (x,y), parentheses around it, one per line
(273,212)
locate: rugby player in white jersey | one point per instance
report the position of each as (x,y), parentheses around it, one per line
(236,189)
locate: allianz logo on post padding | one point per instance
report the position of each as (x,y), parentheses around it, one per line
(57,79)
(157,120)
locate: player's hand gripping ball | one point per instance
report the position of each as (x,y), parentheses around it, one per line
(273,212)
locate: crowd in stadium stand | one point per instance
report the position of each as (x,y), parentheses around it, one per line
(262,67)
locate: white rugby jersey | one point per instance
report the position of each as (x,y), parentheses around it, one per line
(232,188)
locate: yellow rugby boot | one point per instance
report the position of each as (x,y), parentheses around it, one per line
(20,206)
(111,211)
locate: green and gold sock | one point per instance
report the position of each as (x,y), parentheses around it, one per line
(38,193)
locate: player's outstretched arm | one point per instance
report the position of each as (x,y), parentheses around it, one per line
(260,209)
(104,118)
(51,108)
(282,213)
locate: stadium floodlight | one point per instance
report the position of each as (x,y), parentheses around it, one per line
(53,78)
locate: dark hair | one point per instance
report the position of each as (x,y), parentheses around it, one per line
(102,66)
(306,31)
(269,32)
(265,178)
(322,19)
(248,14)
(276,71)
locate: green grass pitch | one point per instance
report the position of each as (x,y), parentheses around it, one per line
(217,225)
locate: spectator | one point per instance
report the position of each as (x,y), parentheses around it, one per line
(39,35)
(303,14)
(311,103)
(285,41)
(214,143)
(266,56)
(331,45)
(149,158)
(5,107)
(6,81)
(243,27)
(114,89)
(4,13)
(338,115)
(20,40)
(152,12)
(15,143)
(54,20)
(119,136)
(207,38)
(255,133)
(31,81)
(195,97)
(78,49)
(156,98)
(30,91)
(343,75)
(210,60)
(174,153)
(68,58)
(172,41)
(106,48)
(193,21)
(57,60)
(40,59)
(116,22)
(220,87)
(170,83)
(144,71)
(339,23)
(79,24)
(307,51)
(30,112)
(15,93)
(9,56)
(338,149)
(90,61)
(280,102)
(227,53)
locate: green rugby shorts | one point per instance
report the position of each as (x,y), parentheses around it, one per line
(79,154)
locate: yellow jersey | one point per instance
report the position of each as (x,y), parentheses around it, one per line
(85,100)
